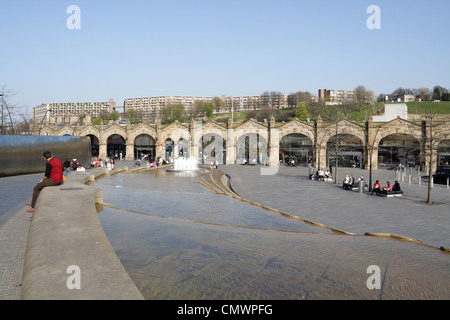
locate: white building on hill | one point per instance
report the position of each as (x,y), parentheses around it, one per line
(392,111)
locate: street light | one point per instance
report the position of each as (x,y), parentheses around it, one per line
(3,98)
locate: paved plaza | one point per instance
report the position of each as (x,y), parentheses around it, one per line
(289,190)
(14,223)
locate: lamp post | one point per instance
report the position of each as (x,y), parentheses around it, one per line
(232,107)
(42,121)
(3,100)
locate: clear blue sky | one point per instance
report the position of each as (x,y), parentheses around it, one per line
(138,48)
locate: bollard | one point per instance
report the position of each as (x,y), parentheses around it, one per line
(409,178)
(432,181)
(420,180)
(448,180)
(361,186)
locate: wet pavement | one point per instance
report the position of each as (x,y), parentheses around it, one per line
(179,241)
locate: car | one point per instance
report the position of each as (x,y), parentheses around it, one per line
(441,175)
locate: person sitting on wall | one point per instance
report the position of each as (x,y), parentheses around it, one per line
(138,163)
(396,186)
(53,177)
(376,187)
(349,184)
(346,182)
(321,174)
(387,189)
(66,166)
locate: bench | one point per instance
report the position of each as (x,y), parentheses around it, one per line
(355,187)
(390,194)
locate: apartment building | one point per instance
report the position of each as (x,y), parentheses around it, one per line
(63,110)
(149,107)
(335,97)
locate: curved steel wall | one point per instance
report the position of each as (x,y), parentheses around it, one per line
(23,154)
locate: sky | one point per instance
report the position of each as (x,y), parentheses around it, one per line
(136,48)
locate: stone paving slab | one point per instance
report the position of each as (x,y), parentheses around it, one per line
(13,240)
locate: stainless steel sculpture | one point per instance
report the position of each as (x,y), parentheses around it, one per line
(23,154)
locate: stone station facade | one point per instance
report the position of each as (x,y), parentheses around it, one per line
(263,142)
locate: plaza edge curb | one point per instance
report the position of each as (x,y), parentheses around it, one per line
(65,231)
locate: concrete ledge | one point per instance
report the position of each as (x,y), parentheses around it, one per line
(65,231)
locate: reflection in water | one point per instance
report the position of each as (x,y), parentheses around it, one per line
(179,240)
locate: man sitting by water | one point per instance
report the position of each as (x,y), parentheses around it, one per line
(53,177)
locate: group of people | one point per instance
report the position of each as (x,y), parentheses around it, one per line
(349,181)
(214,164)
(154,164)
(73,165)
(388,188)
(324,175)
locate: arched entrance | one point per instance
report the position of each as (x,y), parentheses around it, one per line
(168,149)
(346,149)
(297,147)
(115,145)
(95,145)
(444,153)
(144,147)
(253,148)
(399,148)
(183,148)
(212,148)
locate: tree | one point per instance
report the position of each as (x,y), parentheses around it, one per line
(23,125)
(199,109)
(270,98)
(8,112)
(208,109)
(364,97)
(295,98)
(264,113)
(437,92)
(115,115)
(251,115)
(218,104)
(178,112)
(133,116)
(173,112)
(301,112)
(424,93)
